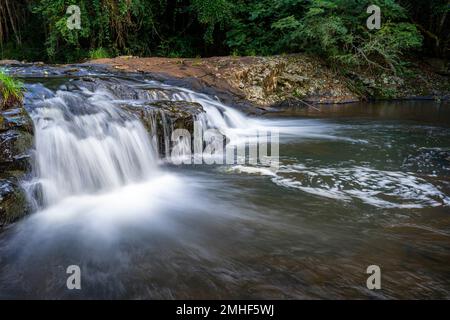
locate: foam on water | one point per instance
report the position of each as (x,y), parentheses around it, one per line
(384,189)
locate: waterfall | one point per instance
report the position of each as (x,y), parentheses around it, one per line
(218,115)
(85,144)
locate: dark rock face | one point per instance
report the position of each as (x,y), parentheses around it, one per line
(182,114)
(162,117)
(16,140)
(13,203)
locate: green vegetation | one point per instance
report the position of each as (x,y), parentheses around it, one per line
(11,91)
(334,29)
(99,53)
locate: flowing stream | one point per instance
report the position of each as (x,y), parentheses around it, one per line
(362,185)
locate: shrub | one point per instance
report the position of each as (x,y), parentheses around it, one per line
(99,53)
(11,91)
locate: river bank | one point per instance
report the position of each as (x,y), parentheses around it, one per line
(288,80)
(274,83)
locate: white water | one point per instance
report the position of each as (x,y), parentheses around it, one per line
(86,145)
(382,189)
(237,125)
(96,167)
(95,163)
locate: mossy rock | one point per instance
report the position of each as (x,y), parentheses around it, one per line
(13,203)
(16,118)
(16,139)
(14,150)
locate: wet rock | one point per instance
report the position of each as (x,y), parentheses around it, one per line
(16,141)
(162,117)
(13,202)
(181,114)
(14,149)
(9,62)
(16,118)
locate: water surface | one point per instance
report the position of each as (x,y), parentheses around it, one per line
(357,185)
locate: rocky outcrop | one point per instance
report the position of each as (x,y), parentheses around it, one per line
(271,81)
(181,114)
(162,117)
(13,203)
(16,140)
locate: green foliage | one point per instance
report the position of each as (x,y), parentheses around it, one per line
(99,53)
(337,30)
(104,23)
(432,18)
(212,13)
(138,27)
(11,90)
(59,37)
(252,30)
(334,29)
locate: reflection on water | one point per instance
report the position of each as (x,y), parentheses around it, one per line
(422,111)
(352,190)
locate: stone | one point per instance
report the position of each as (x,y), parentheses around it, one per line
(16,141)
(13,202)
(161,117)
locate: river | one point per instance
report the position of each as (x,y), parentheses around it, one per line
(357,185)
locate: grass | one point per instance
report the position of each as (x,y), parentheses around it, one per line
(99,53)
(11,91)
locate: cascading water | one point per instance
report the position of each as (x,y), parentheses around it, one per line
(218,115)
(85,144)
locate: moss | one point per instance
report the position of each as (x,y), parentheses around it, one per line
(2,123)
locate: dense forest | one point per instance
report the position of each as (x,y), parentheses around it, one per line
(36,30)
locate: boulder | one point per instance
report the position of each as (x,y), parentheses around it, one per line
(13,202)
(7,62)
(162,117)
(181,114)
(16,141)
